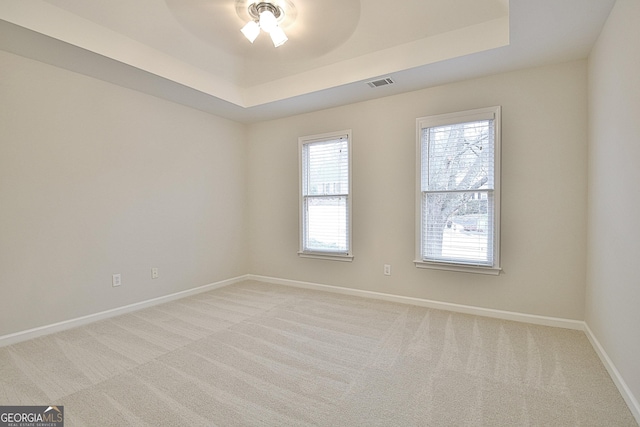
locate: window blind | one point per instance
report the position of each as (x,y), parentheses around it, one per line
(325,195)
(457,180)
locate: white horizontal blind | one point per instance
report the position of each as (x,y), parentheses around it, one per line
(457,191)
(325,195)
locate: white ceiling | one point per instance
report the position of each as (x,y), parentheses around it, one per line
(192,51)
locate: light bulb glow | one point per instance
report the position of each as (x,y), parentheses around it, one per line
(268,21)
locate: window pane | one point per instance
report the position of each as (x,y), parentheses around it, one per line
(458,157)
(459,191)
(326,224)
(458,227)
(325,200)
(327,168)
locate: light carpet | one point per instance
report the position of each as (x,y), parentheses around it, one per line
(257,354)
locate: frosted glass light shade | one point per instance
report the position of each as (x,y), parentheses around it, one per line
(251,31)
(278,37)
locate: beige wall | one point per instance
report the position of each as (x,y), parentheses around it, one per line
(613,285)
(544,159)
(96,179)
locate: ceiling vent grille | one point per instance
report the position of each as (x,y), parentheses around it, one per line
(382,82)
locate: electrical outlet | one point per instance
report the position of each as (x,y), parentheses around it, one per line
(116,280)
(154,273)
(387,270)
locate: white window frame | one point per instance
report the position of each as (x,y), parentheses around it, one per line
(443,120)
(327,255)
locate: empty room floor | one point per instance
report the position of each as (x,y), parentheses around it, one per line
(258,354)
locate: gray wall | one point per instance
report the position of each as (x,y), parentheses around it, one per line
(96,179)
(613,285)
(544,160)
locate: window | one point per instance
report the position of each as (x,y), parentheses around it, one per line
(325,196)
(458,206)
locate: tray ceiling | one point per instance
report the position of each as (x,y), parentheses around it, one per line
(192,51)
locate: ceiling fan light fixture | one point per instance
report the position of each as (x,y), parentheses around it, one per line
(265,16)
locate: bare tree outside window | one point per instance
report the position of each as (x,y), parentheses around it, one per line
(457,192)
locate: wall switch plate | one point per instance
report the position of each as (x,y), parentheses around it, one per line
(154,273)
(387,270)
(116,280)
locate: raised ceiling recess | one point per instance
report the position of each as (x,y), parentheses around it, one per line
(313,27)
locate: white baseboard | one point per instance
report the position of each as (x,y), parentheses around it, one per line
(626,393)
(79,321)
(459,308)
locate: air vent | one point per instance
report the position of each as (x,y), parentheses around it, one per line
(381,82)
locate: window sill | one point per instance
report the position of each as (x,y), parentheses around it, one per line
(477,269)
(327,256)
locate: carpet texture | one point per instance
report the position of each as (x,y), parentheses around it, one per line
(257,354)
